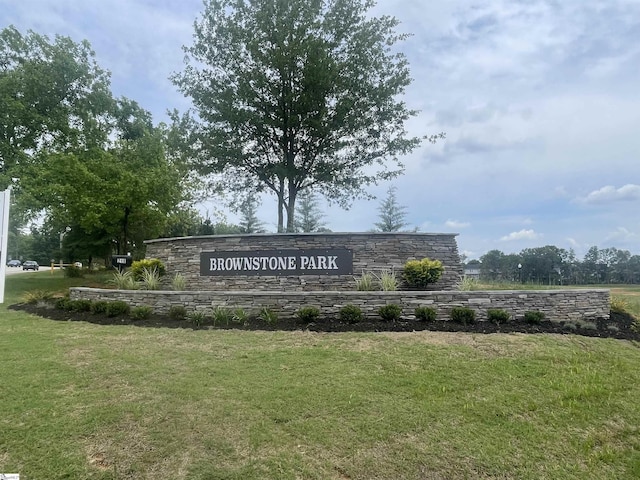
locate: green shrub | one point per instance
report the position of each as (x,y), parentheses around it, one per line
(150,279)
(240,316)
(498,315)
(177,312)
(390,313)
(71,271)
(63,303)
(464,315)
(197,318)
(141,312)
(117,308)
(80,305)
(308,314)
(99,307)
(365,283)
(221,315)
(533,317)
(124,280)
(268,316)
(420,273)
(426,314)
(179,283)
(388,281)
(139,266)
(351,314)
(619,304)
(36,296)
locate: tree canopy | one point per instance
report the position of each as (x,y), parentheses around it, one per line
(295,95)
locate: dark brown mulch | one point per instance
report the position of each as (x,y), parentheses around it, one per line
(619,325)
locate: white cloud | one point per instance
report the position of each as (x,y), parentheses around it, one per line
(521,235)
(456,224)
(609,194)
(622,235)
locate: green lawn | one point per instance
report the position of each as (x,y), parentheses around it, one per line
(79,400)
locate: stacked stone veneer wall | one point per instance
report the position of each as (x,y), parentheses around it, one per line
(372,252)
(567,305)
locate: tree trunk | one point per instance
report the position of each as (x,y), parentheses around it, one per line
(291,208)
(281,207)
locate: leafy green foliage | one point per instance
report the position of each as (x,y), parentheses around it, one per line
(178,282)
(240,316)
(36,296)
(464,315)
(141,312)
(390,313)
(268,316)
(366,282)
(177,312)
(80,305)
(300,96)
(197,318)
(388,281)
(99,307)
(350,314)
(71,271)
(421,273)
(139,266)
(308,314)
(426,314)
(117,308)
(124,280)
(533,317)
(150,279)
(498,316)
(221,315)
(63,303)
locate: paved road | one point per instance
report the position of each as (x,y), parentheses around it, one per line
(18,270)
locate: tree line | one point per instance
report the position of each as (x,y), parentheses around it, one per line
(557,266)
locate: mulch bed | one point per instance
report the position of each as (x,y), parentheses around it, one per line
(619,325)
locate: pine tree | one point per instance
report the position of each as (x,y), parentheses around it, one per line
(309,216)
(392,215)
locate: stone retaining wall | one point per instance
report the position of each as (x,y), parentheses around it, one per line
(561,305)
(372,252)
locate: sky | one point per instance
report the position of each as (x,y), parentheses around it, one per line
(539,101)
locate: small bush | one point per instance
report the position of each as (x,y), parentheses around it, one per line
(388,281)
(421,273)
(141,312)
(124,280)
(240,316)
(63,303)
(177,312)
(365,283)
(35,296)
(197,318)
(71,271)
(533,317)
(179,283)
(150,279)
(308,314)
(268,316)
(464,315)
(117,308)
(351,314)
(426,314)
(99,307)
(221,315)
(619,305)
(80,305)
(390,313)
(139,266)
(498,316)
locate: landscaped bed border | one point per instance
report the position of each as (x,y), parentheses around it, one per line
(560,305)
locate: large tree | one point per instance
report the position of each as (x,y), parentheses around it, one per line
(309,216)
(53,95)
(297,94)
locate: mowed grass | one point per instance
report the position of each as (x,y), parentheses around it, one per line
(79,400)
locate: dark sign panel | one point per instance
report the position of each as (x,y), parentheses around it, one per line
(278,262)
